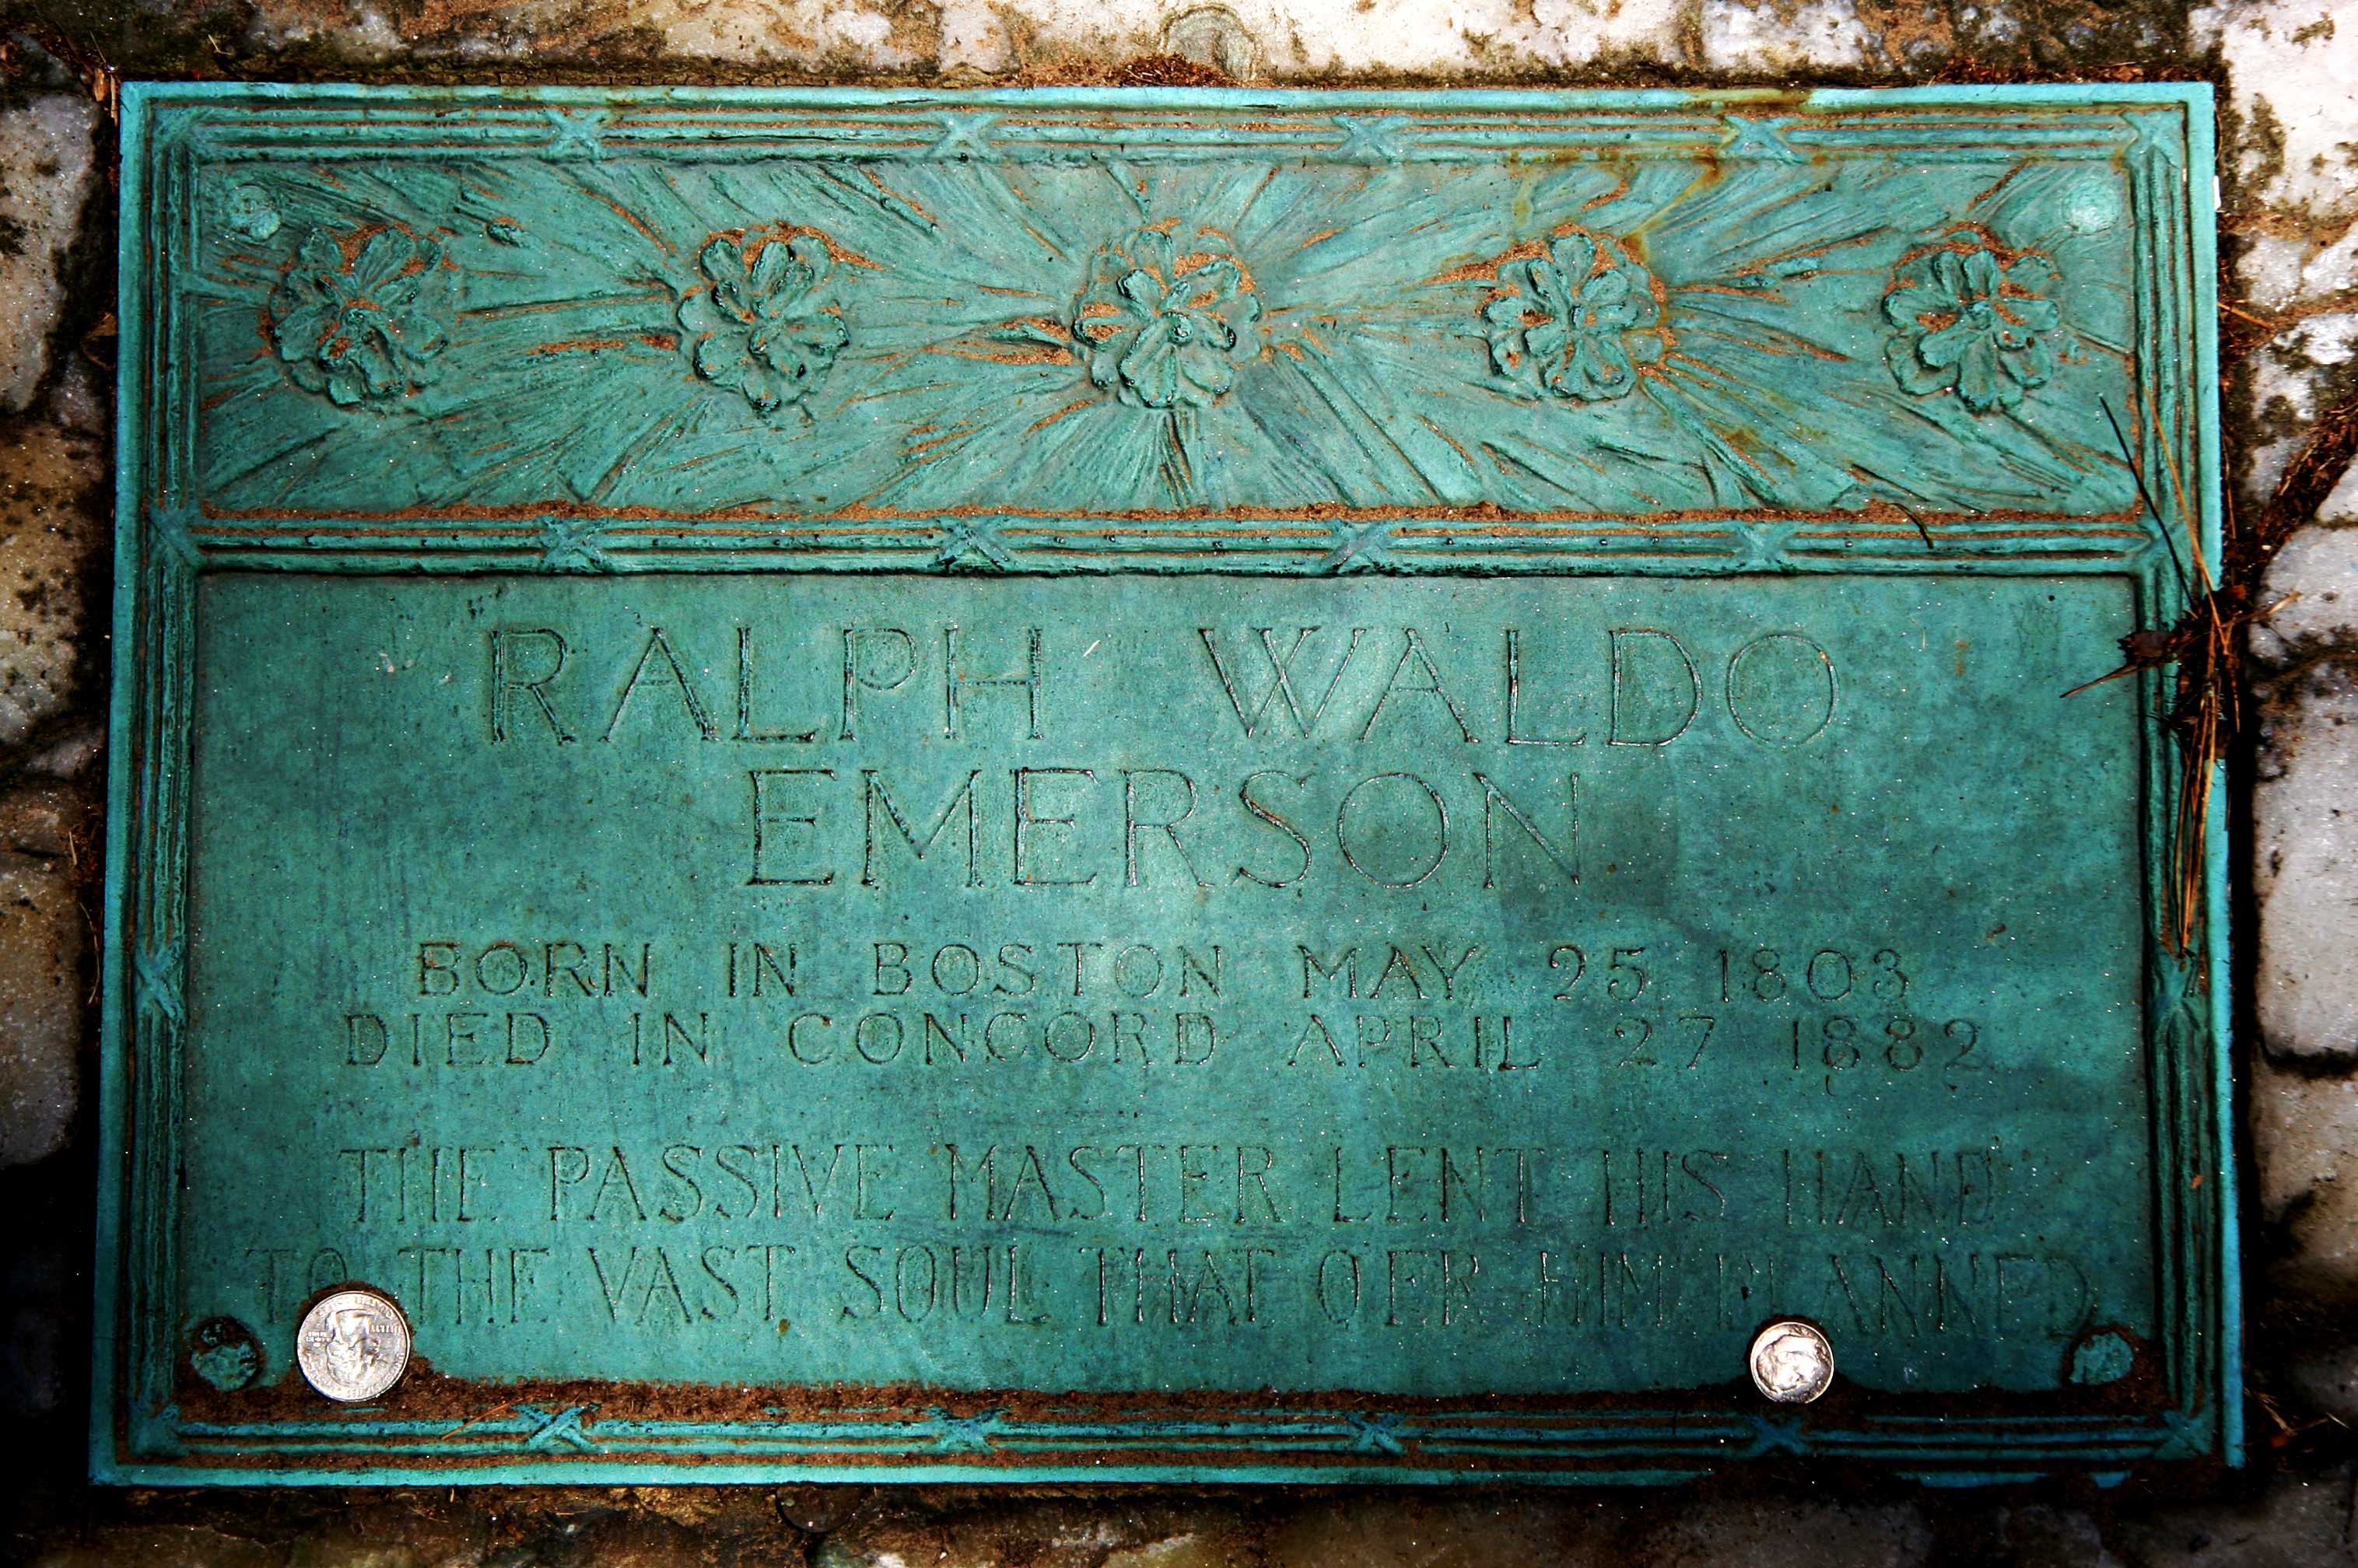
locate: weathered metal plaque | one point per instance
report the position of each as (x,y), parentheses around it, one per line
(1160,785)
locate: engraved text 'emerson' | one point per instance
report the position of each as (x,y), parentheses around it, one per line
(1303,692)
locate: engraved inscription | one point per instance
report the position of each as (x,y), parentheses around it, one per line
(1119,985)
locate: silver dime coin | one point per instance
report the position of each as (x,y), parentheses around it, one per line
(353,1345)
(1791,1362)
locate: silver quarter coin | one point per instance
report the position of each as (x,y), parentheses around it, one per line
(1791,1362)
(354,1346)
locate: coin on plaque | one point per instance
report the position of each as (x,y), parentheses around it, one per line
(1792,1363)
(353,1344)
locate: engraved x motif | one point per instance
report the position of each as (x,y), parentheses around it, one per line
(1776,1434)
(1341,556)
(971,549)
(1761,138)
(2157,132)
(576,133)
(962,138)
(169,530)
(1762,545)
(572,546)
(1366,140)
(159,982)
(563,1426)
(964,1433)
(2189,1436)
(1378,1433)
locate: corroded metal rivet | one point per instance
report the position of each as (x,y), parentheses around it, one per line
(249,210)
(353,1344)
(1791,1362)
(225,1353)
(2102,1357)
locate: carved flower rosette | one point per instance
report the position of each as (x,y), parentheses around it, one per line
(365,319)
(1084,334)
(1163,323)
(1575,322)
(1976,322)
(766,324)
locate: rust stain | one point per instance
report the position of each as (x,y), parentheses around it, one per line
(1072,407)
(1321,534)
(916,448)
(2118,524)
(875,180)
(574,345)
(1618,191)
(1446,436)
(890,1410)
(1011,354)
(1488,271)
(543,306)
(634,221)
(755,237)
(1782,344)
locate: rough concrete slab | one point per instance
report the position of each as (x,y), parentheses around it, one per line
(2340,507)
(1247,40)
(2304,802)
(2292,378)
(2305,1145)
(49,538)
(46,159)
(1441,1532)
(1821,33)
(71,756)
(165,1546)
(1185,1551)
(44,932)
(2043,1537)
(37,1350)
(1117,1534)
(1791,1535)
(2329,1383)
(1275,37)
(2313,589)
(2305,866)
(2301,1521)
(42,935)
(2290,67)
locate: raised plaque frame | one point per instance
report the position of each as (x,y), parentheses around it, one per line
(171,532)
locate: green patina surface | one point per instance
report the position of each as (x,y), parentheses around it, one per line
(1157,785)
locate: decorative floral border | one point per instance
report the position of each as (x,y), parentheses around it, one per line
(1849,332)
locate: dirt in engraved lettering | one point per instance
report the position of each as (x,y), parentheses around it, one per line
(1856,1017)
(1395,817)
(1143,1176)
(712,1245)
(552,685)
(868,763)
